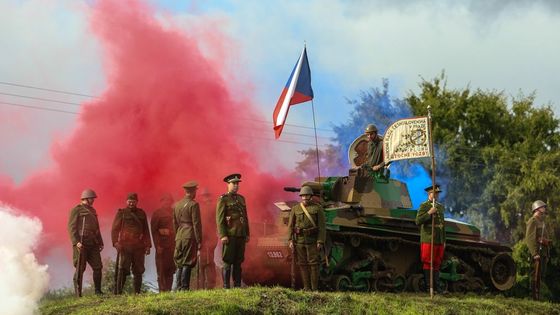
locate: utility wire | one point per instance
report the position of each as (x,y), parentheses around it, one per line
(45,89)
(39,108)
(40,99)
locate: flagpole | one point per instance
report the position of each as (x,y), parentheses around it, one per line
(316,142)
(433,202)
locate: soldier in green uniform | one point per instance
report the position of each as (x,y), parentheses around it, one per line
(131,237)
(163,235)
(424,219)
(374,159)
(87,243)
(308,231)
(233,229)
(538,241)
(188,234)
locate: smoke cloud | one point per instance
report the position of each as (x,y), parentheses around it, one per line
(22,279)
(168,115)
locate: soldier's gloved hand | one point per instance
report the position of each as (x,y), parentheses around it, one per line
(319,246)
(224,240)
(79,245)
(291,244)
(432,210)
(147,251)
(376,168)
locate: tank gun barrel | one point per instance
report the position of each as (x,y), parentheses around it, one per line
(292,189)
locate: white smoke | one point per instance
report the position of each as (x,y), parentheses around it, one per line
(22,279)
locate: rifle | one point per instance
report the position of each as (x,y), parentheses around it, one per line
(293,263)
(199,282)
(537,279)
(79,267)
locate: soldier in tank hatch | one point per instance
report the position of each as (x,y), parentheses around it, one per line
(233,228)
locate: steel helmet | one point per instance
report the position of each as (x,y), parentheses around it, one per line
(88,193)
(370,128)
(305,190)
(538,204)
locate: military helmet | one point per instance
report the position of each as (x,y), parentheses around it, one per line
(132,196)
(88,193)
(370,128)
(538,204)
(305,190)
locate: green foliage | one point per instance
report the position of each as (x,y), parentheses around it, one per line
(257,300)
(498,155)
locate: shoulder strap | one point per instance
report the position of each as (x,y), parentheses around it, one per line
(307,214)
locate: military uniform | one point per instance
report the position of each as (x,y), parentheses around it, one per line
(424,219)
(131,237)
(208,267)
(163,236)
(538,242)
(374,150)
(305,236)
(188,237)
(84,218)
(232,222)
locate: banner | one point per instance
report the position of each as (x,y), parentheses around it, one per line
(407,139)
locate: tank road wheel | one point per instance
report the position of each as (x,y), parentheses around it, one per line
(502,271)
(342,283)
(383,284)
(399,284)
(459,286)
(355,241)
(363,285)
(417,283)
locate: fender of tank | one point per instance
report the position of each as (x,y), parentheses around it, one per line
(373,241)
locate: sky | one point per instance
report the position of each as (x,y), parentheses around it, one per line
(52,58)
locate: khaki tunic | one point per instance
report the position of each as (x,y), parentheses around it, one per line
(130,229)
(163,236)
(232,221)
(532,235)
(425,221)
(188,232)
(375,153)
(304,234)
(91,240)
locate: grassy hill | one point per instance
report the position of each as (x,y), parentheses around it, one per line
(259,300)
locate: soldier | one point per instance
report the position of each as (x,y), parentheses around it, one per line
(424,219)
(163,235)
(233,228)
(538,241)
(307,229)
(131,237)
(374,160)
(87,243)
(188,235)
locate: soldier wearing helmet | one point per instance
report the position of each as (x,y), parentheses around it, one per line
(188,234)
(87,243)
(163,236)
(374,159)
(307,232)
(538,242)
(131,237)
(233,228)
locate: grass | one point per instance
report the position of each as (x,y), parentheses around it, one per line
(261,300)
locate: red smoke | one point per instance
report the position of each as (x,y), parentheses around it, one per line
(168,116)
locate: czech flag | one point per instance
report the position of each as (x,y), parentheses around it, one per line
(297,90)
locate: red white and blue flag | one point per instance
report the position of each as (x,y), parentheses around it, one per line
(297,90)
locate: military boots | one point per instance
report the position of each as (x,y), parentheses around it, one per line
(427,280)
(236,276)
(178,276)
(226,274)
(97,281)
(137,283)
(186,278)
(121,282)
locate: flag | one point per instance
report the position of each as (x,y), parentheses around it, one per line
(407,139)
(297,90)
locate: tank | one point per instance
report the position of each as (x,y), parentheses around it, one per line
(373,241)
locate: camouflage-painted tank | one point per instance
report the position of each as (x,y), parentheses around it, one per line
(373,241)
